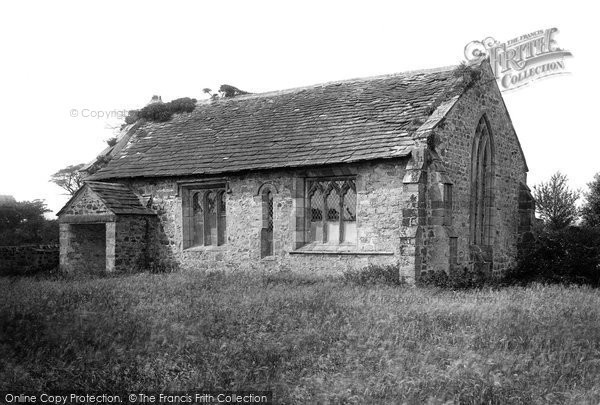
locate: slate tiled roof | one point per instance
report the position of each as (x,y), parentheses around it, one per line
(339,122)
(118,198)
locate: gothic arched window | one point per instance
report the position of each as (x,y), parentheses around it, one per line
(266,236)
(482,177)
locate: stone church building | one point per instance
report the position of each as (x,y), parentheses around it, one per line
(422,170)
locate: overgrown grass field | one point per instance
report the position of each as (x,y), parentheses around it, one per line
(305,339)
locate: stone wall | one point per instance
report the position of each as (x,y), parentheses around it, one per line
(380,208)
(87,203)
(18,260)
(83,248)
(131,247)
(453,143)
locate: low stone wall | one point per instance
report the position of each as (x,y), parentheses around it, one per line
(15,260)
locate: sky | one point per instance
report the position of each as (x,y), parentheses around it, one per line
(65,63)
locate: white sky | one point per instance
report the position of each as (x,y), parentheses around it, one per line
(109,55)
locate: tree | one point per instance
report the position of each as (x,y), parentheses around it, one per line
(555,202)
(69,178)
(228,91)
(590,212)
(24,223)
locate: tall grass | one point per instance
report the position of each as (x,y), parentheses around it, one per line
(308,340)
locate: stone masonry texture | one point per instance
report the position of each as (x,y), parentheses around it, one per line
(452,141)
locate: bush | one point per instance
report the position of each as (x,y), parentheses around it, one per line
(158,112)
(459,279)
(182,105)
(469,74)
(375,274)
(132,117)
(24,223)
(162,112)
(570,256)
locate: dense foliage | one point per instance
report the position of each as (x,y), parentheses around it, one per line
(569,255)
(590,212)
(23,223)
(555,202)
(162,112)
(459,278)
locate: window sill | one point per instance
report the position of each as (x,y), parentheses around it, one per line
(205,248)
(318,249)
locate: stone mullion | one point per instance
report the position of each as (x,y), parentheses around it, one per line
(325,215)
(111,244)
(341,220)
(306,220)
(186,214)
(207,235)
(218,216)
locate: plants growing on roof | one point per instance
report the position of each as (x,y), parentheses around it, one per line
(162,112)
(470,74)
(228,91)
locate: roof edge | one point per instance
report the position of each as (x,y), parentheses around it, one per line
(329,83)
(72,199)
(486,64)
(109,180)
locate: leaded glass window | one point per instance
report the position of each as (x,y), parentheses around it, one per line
(210,236)
(332,211)
(206,218)
(197,219)
(221,211)
(482,178)
(266,248)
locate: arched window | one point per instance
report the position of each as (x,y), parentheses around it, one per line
(266,237)
(204,213)
(332,211)
(482,177)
